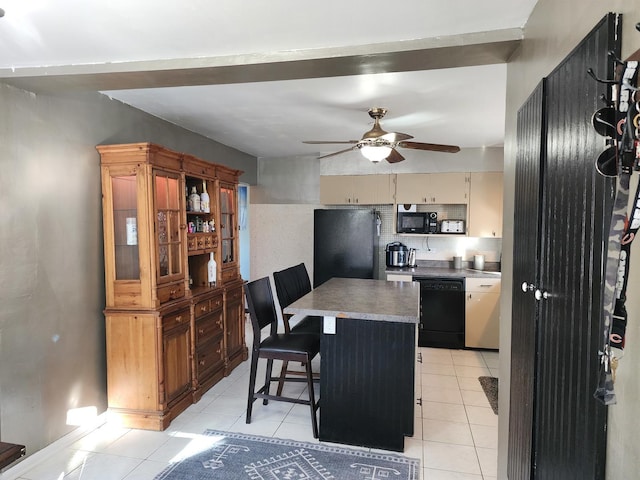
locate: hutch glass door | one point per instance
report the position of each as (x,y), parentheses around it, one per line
(227,223)
(168,195)
(125,230)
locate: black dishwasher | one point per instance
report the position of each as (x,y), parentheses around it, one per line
(442,306)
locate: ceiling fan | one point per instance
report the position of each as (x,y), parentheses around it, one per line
(377,144)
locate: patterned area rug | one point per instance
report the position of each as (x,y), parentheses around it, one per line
(239,456)
(490,387)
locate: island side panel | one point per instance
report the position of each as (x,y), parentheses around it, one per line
(367,383)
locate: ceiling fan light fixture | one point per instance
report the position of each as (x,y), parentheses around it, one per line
(375,153)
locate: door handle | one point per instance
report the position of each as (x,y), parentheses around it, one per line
(528,287)
(541,294)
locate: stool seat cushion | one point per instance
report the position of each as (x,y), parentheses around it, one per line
(284,344)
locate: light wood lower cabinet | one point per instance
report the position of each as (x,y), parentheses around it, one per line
(162,362)
(149,372)
(482,313)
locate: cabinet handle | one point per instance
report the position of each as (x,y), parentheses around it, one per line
(203,308)
(202,363)
(201,331)
(485,285)
(179,319)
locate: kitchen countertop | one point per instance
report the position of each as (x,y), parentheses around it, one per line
(362,299)
(439,271)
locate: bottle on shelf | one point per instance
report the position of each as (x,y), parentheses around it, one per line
(211,270)
(188,205)
(194,200)
(204,198)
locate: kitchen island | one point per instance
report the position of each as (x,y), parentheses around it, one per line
(367,364)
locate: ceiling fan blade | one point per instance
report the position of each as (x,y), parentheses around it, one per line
(394,156)
(337,153)
(326,142)
(430,146)
(394,137)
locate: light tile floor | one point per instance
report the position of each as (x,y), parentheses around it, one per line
(455,431)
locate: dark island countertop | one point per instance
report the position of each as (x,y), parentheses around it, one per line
(362,299)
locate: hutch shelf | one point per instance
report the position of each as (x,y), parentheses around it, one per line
(172,330)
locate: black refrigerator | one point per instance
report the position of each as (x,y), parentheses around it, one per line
(343,244)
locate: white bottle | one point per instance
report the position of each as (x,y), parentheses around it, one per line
(204,198)
(211,270)
(194,200)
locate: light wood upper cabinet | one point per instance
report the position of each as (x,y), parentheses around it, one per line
(432,188)
(485,204)
(357,189)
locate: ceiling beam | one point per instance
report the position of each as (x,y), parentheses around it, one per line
(481,48)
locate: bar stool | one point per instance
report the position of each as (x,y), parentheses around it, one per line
(287,347)
(291,284)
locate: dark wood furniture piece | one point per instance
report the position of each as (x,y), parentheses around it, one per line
(302,347)
(367,359)
(10,452)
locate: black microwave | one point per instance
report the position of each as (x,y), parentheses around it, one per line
(412,222)
(417,222)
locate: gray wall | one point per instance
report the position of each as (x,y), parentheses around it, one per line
(52,349)
(552,31)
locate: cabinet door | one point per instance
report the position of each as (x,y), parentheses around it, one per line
(412,188)
(448,188)
(336,189)
(169,227)
(482,313)
(234,320)
(356,189)
(485,204)
(372,189)
(176,345)
(432,188)
(228,223)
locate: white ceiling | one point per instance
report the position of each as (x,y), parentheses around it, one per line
(264,76)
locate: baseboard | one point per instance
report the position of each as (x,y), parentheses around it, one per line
(27,463)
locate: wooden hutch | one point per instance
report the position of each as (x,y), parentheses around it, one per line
(170,334)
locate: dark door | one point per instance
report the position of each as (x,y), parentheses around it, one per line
(568,434)
(531,134)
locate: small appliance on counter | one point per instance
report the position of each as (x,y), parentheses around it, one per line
(452,226)
(432,222)
(397,254)
(478,262)
(412,257)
